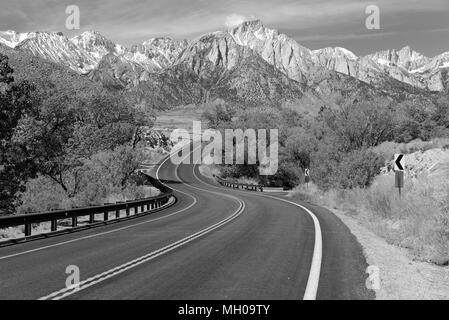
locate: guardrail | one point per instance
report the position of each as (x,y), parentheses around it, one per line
(229,184)
(144,205)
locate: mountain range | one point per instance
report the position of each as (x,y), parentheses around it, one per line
(249,64)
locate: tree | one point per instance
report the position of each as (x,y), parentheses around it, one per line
(15,102)
(6,71)
(359,125)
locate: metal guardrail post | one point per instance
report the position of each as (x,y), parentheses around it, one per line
(253,187)
(27,229)
(53,216)
(54,225)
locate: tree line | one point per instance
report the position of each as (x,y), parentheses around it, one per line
(337,144)
(62,142)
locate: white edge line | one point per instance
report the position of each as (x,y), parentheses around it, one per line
(65,292)
(315,268)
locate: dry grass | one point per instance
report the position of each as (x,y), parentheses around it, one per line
(401,277)
(179,118)
(39,228)
(135,192)
(418,221)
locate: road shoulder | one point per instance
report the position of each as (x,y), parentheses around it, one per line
(401,277)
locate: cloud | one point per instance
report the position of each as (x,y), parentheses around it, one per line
(234,20)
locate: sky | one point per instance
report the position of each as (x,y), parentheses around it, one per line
(421,24)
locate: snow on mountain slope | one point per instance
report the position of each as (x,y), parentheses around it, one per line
(300,63)
(338,59)
(11,38)
(84,52)
(405,65)
(96,44)
(276,48)
(405,58)
(57,48)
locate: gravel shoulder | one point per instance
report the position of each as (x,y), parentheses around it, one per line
(402,278)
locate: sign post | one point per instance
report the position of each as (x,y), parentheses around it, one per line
(307,177)
(399,172)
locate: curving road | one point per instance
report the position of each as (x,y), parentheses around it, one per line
(214,243)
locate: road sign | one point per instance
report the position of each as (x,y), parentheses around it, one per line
(398,162)
(307,175)
(399,179)
(399,172)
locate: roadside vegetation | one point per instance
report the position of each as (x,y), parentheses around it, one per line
(65,143)
(418,221)
(345,149)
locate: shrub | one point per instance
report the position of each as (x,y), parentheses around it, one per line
(42,194)
(419,221)
(359,168)
(108,176)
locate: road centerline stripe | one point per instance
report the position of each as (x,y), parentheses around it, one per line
(65,292)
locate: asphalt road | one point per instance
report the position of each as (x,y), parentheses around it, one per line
(214,243)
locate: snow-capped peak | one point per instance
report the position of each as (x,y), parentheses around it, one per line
(346,53)
(335,52)
(97,44)
(11,38)
(84,52)
(405,58)
(162,51)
